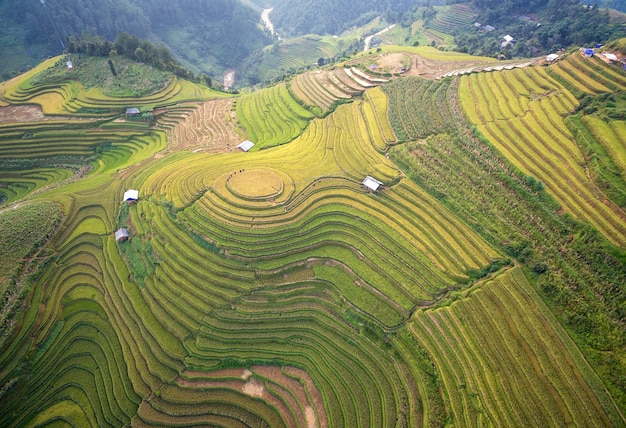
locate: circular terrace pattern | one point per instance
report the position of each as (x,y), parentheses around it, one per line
(255,184)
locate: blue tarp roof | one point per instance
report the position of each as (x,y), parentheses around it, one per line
(589,52)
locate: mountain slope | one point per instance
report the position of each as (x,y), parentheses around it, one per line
(206,36)
(297,17)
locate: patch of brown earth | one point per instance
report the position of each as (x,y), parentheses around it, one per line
(28,113)
(289,390)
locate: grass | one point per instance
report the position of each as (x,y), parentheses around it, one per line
(26,229)
(131,80)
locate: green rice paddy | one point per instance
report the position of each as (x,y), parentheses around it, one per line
(272,287)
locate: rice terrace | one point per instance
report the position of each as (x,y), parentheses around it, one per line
(439,243)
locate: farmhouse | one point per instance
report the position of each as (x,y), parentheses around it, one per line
(69,65)
(371,183)
(609,57)
(587,52)
(131,196)
(552,57)
(245,145)
(508,41)
(132,111)
(122,234)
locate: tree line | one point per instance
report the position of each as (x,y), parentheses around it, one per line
(557,24)
(132,47)
(225,31)
(295,17)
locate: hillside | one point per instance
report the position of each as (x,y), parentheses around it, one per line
(205,36)
(382,256)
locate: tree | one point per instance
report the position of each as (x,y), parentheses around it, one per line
(140,54)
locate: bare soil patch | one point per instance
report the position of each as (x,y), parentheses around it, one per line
(393,62)
(27,113)
(290,385)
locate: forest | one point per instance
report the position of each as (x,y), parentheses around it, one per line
(556,24)
(224,30)
(332,17)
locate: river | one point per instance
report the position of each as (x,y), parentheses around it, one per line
(229,77)
(265,16)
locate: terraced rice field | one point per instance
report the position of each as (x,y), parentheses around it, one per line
(272,116)
(269,288)
(299,53)
(521,112)
(611,134)
(322,89)
(210,126)
(587,75)
(453,18)
(500,353)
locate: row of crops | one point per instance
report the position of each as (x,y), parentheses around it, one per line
(299,53)
(209,126)
(505,207)
(521,111)
(453,18)
(272,288)
(272,117)
(504,361)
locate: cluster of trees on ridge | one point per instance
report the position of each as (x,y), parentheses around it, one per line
(226,30)
(134,48)
(555,24)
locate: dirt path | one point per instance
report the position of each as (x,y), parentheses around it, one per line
(368,39)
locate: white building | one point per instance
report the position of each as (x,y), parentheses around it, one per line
(371,183)
(245,146)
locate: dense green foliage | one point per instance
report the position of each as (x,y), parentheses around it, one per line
(129,46)
(615,4)
(331,17)
(215,35)
(557,24)
(25,229)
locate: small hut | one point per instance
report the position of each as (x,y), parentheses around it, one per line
(609,58)
(371,183)
(122,235)
(552,57)
(132,111)
(131,196)
(245,145)
(587,52)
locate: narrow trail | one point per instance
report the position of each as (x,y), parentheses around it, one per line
(368,39)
